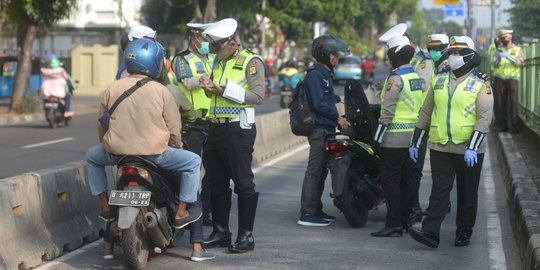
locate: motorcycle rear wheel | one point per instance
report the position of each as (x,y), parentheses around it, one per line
(51,118)
(136,244)
(353,207)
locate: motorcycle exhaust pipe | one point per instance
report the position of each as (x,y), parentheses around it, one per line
(154,231)
(164,223)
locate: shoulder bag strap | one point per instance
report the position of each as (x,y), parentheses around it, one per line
(128,92)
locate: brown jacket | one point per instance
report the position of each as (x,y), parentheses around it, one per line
(144,123)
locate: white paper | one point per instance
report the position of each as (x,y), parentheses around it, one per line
(234,92)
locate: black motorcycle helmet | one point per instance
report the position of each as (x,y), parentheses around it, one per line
(324,45)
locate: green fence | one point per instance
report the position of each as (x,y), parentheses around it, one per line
(529,91)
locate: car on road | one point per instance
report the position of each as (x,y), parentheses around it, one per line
(348,69)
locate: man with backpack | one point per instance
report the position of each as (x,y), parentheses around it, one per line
(319,89)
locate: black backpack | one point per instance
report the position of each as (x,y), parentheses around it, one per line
(302,119)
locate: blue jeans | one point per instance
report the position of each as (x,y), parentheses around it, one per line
(185,164)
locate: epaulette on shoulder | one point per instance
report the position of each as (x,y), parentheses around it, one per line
(482,76)
(183,53)
(249,51)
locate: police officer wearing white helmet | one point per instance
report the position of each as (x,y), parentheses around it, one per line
(401,100)
(235,86)
(136,32)
(437,46)
(456,112)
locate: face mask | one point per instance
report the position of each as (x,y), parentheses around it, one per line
(456,61)
(435,55)
(205,48)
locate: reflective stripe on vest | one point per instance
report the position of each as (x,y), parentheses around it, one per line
(454,116)
(234,70)
(409,102)
(197,96)
(506,69)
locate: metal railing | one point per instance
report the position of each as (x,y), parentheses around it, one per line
(529,90)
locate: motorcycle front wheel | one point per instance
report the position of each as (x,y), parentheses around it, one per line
(136,244)
(353,207)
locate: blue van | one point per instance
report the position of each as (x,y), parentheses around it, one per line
(8,67)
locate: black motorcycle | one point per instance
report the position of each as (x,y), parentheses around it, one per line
(54,111)
(353,165)
(147,203)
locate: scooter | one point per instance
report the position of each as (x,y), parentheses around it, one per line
(353,164)
(146,202)
(55,108)
(288,79)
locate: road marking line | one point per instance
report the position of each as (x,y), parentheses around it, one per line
(64,258)
(265,165)
(497,259)
(47,142)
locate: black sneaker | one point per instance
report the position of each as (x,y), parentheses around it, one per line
(312,220)
(194,215)
(326,216)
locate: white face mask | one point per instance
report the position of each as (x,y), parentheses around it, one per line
(456,61)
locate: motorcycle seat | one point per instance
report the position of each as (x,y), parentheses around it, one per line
(137,161)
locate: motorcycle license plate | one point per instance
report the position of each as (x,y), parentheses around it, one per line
(286,93)
(51,105)
(130,198)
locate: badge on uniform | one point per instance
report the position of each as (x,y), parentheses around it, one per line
(439,84)
(252,68)
(388,85)
(200,67)
(422,65)
(416,84)
(488,89)
(469,87)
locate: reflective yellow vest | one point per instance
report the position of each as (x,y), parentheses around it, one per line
(196,67)
(417,59)
(409,103)
(235,70)
(506,69)
(454,116)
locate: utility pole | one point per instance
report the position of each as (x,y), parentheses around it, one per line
(469,21)
(492,19)
(263,31)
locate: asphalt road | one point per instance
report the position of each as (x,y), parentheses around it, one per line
(281,244)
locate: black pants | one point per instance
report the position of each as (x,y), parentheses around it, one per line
(444,168)
(397,170)
(227,155)
(506,103)
(418,168)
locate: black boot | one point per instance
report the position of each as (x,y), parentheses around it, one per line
(220,236)
(247,207)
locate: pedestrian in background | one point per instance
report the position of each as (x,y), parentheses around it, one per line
(507,61)
(456,113)
(326,50)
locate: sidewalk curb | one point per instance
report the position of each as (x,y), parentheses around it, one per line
(523,201)
(26,118)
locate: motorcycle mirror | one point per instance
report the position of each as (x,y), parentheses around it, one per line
(337,99)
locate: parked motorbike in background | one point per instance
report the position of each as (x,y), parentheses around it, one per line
(289,77)
(54,111)
(353,165)
(147,203)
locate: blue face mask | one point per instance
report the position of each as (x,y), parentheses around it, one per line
(435,55)
(205,48)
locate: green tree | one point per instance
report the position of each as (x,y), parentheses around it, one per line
(28,16)
(524,17)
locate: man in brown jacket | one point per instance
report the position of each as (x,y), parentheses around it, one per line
(147,123)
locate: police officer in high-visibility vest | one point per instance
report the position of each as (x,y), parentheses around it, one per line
(401,100)
(236,85)
(456,112)
(507,61)
(189,65)
(437,46)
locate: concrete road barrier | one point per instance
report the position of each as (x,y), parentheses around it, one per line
(46,213)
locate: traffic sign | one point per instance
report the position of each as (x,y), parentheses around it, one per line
(454,10)
(446,2)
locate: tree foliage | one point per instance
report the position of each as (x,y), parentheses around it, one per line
(28,16)
(524,17)
(358,22)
